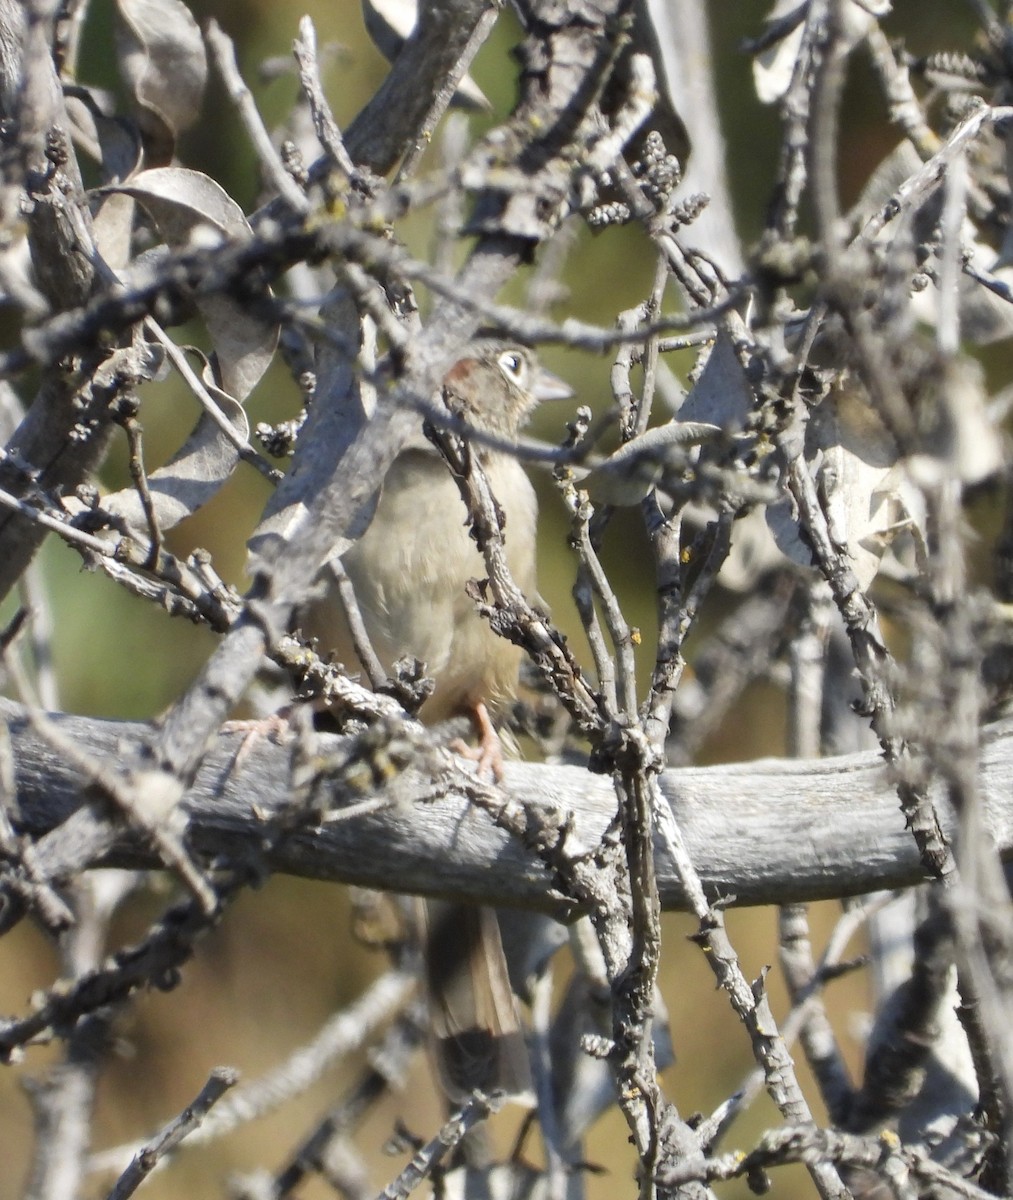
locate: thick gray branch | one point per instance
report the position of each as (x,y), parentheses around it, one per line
(759,833)
(391,120)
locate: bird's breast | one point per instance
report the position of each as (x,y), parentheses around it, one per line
(411,568)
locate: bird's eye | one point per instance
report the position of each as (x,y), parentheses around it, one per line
(512,365)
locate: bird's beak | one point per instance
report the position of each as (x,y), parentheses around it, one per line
(546,386)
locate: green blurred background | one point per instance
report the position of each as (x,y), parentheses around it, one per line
(283,958)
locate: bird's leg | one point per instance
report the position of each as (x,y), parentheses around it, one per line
(488,754)
(276,727)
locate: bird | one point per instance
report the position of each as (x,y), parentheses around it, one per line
(409,572)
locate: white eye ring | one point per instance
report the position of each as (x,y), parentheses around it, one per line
(512,365)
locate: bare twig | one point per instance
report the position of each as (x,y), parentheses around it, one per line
(479,1108)
(181,1127)
(225,58)
(327,131)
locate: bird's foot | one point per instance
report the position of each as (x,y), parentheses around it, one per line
(488,754)
(275,728)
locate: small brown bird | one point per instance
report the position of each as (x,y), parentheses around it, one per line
(409,572)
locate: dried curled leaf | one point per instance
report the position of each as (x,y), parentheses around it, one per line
(182,202)
(195,472)
(163,62)
(774,66)
(114,143)
(722,395)
(868,494)
(188,207)
(111,141)
(959,434)
(984,316)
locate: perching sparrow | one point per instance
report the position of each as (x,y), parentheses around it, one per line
(409,572)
